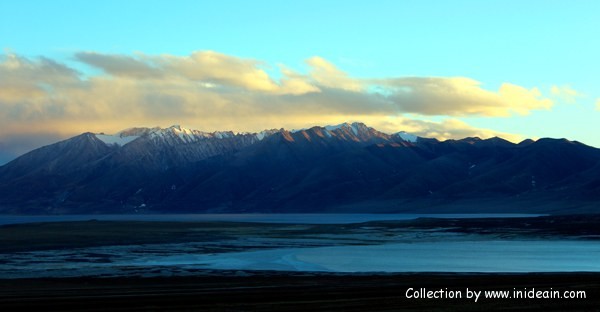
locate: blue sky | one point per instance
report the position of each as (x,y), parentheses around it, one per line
(330,50)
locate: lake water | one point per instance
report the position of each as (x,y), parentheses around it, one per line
(441,256)
(261,218)
(360,249)
(446,255)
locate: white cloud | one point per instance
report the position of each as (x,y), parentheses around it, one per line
(565,93)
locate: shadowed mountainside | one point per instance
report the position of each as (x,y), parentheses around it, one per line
(344,168)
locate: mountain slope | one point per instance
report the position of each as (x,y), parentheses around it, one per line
(347,167)
(42,178)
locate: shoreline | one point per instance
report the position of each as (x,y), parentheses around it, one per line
(59,235)
(255,290)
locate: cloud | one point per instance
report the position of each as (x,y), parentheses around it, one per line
(208,68)
(120,65)
(209,91)
(25,79)
(460,96)
(449,128)
(327,75)
(295,83)
(455,96)
(565,93)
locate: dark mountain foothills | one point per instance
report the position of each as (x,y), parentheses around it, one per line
(344,168)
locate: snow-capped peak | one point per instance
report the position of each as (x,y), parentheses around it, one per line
(177,134)
(355,127)
(223,134)
(178,128)
(336,127)
(265,133)
(136,131)
(407,137)
(120,138)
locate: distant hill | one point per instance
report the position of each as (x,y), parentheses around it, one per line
(343,168)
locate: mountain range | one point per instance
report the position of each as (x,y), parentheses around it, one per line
(345,168)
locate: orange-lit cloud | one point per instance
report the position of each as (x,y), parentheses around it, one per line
(212,91)
(206,68)
(326,74)
(24,79)
(458,96)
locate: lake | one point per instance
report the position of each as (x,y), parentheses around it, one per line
(441,256)
(445,255)
(261,218)
(316,245)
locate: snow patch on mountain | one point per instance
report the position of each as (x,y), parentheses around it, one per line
(223,134)
(354,127)
(336,127)
(407,137)
(116,139)
(260,135)
(265,133)
(177,134)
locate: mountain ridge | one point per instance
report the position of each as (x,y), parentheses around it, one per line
(343,168)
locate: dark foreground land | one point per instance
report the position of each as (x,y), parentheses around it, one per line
(62,235)
(206,290)
(269,291)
